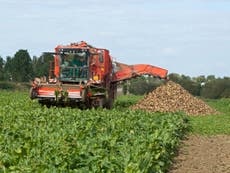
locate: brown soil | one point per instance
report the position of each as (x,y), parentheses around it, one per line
(171,97)
(200,154)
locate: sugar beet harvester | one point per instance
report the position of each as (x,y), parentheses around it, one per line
(82,75)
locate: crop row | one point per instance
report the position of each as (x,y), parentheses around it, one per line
(38,139)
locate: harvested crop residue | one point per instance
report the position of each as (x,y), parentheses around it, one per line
(171,97)
(201,154)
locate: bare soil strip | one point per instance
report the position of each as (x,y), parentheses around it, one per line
(202,154)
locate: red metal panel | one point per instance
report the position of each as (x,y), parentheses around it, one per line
(128,71)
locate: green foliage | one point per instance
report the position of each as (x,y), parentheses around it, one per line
(6,85)
(213,124)
(41,65)
(8,69)
(125,88)
(22,66)
(1,68)
(142,85)
(208,87)
(19,68)
(38,139)
(125,101)
(225,93)
(138,86)
(189,85)
(218,88)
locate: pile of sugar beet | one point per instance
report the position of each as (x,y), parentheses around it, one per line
(171,97)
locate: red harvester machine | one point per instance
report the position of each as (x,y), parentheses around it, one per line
(82,75)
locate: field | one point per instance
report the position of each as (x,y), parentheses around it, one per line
(39,139)
(213,125)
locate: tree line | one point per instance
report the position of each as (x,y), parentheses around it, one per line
(22,68)
(207,87)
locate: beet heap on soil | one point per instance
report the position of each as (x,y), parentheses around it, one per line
(171,97)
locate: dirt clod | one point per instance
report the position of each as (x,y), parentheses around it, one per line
(172,97)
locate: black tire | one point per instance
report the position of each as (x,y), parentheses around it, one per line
(109,104)
(33,93)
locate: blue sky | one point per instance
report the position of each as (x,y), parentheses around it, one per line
(190,37)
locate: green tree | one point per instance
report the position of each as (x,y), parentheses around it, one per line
(191,86)
(138,86)
(175,77)
(125,87)
(41,65)
(200,79)
(217,88)
(225,93)
(143,85)
(8,68)
(1,68)
(22,70)
(210,77)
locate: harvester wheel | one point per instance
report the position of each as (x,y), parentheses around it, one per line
(33,93)
(109,103)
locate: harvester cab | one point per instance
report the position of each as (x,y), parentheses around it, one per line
(74,66)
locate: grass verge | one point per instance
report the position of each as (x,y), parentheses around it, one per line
(213,124)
